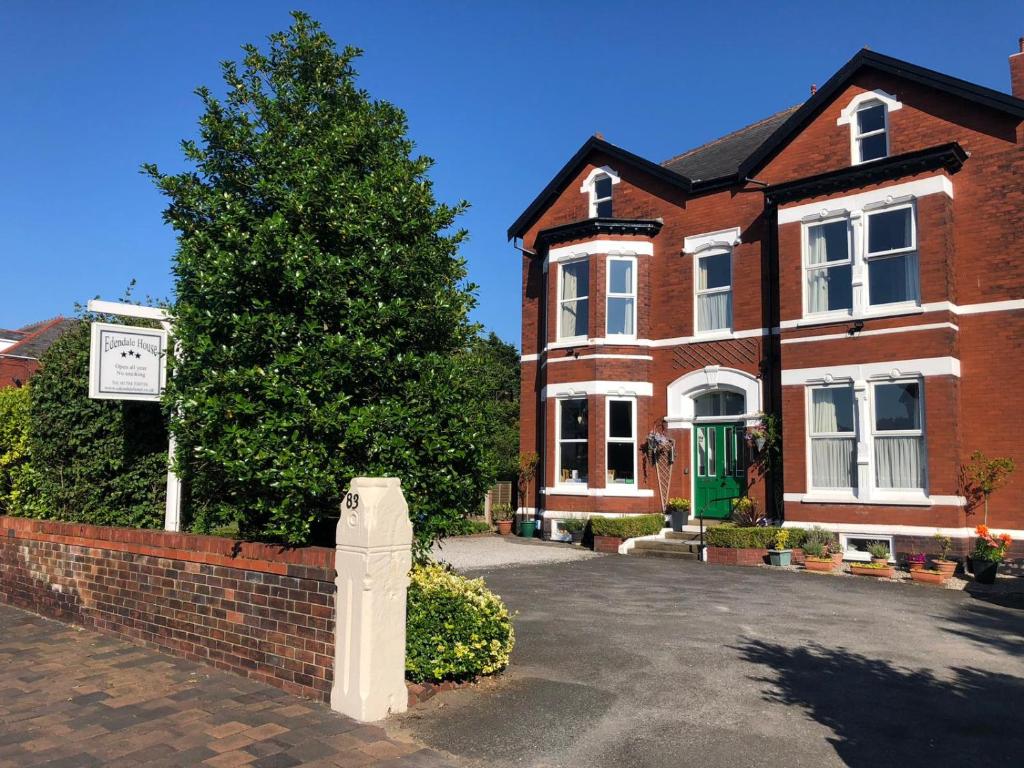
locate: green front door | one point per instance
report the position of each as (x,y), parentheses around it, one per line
(720,473)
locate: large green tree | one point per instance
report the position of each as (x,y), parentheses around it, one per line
(321,303)
(494,378)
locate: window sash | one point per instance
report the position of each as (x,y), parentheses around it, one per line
(576,307)
(611,440)
(570,441)
(912,220)
(714,309)
(619,297)
(899,460)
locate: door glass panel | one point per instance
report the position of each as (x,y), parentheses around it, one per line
(730,452)
(712,451)
(701,453)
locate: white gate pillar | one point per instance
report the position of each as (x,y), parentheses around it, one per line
(373,558)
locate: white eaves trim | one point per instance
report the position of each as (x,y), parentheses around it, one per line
(581,388)
(601,247)
(925,366)
(826,208)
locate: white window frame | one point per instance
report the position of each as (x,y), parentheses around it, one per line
(848,116)
(582,484)
(858,137)
(714,250)
(856,555)
(851,260)
(610,295)
(589,188)
(608,439)
(561,301)
(824,491)
(921,433)
(912,250)
(859,258)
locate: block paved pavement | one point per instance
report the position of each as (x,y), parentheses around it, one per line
(73,698)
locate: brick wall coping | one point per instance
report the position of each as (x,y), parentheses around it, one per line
(302,562)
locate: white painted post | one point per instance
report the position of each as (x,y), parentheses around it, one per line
(373,558)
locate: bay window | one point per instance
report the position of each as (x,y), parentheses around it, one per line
(620,447)
(891,256)
(899,436)
(573,299)
(833,438)
(572,459)
(620,314)
(829,267)
(714,292)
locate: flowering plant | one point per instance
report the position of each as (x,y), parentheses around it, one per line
(756,435)
(989,546)
(658,445)
(916,557)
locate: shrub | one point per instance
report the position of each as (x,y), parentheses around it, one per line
(817,535)
(96,461)
(456,628)
(466,527)
(814,549)
(501,512)
(878,550)
(572,524)
(746,513)
(17,479)
(781,539)
(740,538)
(673,504)
(627,527)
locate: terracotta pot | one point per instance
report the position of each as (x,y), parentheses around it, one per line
(879,560)
(947,567)
(504,527)
(878,573)
(922,576)
(916,565)
(824,565)
(837,558)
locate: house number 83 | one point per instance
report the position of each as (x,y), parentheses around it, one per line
(351,500)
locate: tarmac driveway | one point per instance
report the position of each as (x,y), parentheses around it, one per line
(625,661)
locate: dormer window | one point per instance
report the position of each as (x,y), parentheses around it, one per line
(598,185)
(871,137)
(867,114)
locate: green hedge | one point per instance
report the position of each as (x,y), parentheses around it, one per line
(627,527)
(456,628)
(18,494)
(750,538)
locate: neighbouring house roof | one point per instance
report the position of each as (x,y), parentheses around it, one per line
(739,154)
(722,157)
(32,340)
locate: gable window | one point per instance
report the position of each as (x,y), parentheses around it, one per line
(572,440)
(714,292)
(870,138)
(833,438)
(621,441)
(601,205)
(898,435)
(829,267)
(573,299)
(621,299)
(892,256)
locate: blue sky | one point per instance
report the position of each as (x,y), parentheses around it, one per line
(500,94)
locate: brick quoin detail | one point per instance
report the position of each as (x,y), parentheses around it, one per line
(259,610)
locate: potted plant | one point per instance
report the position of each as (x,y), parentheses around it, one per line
(924,575)
(879,552)
(878,570)
(679,511)
(574,526)
(502,514)
(944,564)
(746,514)
(989,551)
(816,557)
(824,545)
(780,555)
(915,561)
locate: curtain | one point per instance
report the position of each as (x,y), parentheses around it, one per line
(832,462)
(574,313)
(910,265)
(714,311)
(898,462)
(817,279)
(824,416)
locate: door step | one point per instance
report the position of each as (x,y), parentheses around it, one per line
(679,548)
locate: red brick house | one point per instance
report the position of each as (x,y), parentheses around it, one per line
(852,265)
(21,349)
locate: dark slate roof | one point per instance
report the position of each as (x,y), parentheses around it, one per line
(39,336)
(723,156)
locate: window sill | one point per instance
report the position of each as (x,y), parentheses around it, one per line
(888,501)
(569,489)
(718,335)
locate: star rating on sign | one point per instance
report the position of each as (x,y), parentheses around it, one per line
(131,354)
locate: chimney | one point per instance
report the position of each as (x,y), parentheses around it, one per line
(1017,71)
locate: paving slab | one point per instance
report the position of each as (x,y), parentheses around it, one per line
(72,697)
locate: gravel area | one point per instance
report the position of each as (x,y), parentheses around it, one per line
(468,553)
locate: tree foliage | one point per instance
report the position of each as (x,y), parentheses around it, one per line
(494,378)
(17,477)
(94,461)
(321,303)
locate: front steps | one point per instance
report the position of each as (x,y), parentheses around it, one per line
(678,545)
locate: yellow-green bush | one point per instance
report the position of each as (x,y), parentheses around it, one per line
(456,628)
(17,479)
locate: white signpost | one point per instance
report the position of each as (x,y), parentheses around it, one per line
(130,363)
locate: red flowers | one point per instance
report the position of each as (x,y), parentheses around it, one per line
(989,547)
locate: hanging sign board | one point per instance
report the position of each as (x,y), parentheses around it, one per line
(127,362)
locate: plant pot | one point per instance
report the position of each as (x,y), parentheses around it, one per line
(679,518)
(879,560)
(780,556)
(577,537)
(837,558)
(878,573)
(504,527)
(985,570)
(921,576)
(915,565)
(947,567)
(821,565)
(527,528)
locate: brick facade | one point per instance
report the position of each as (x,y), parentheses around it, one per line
(968,316)
(254,609)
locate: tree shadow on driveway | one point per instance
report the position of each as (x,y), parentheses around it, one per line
(882,714)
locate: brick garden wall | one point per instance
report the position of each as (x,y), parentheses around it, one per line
(259,610)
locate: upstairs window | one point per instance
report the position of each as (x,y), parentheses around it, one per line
(601,205)
(573,299)
(621,307)
(714,292)
(870,133)
(892,257)
(829,268)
